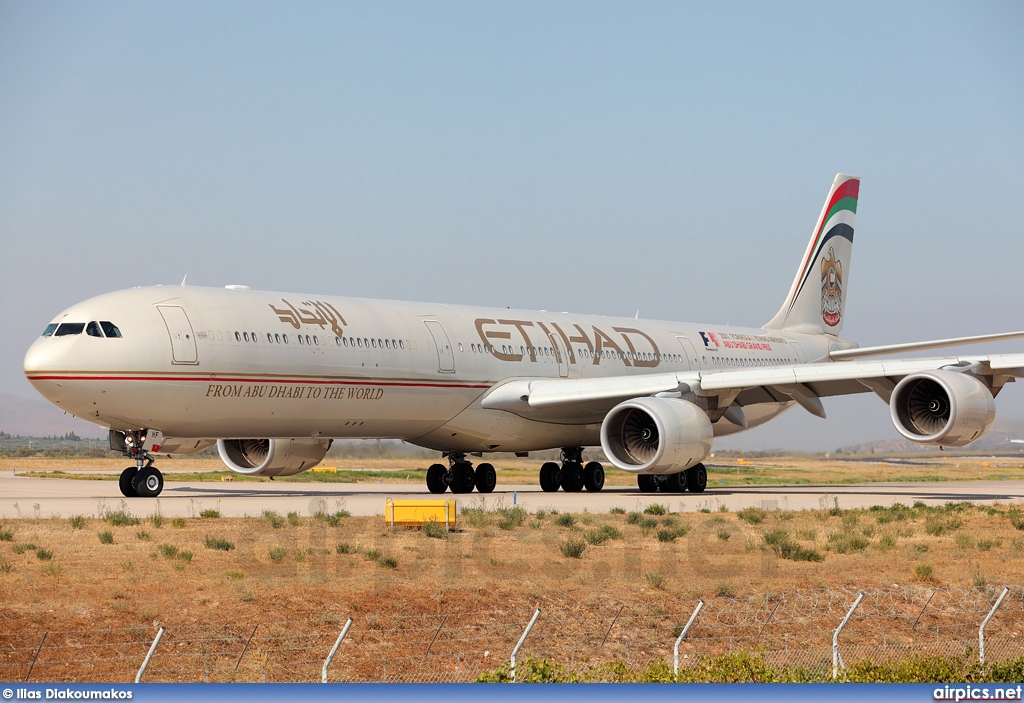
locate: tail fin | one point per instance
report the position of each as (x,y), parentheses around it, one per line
(811,309)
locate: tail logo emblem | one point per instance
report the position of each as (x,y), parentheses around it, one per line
(831,289)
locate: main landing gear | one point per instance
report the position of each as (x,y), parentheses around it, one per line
(694,479)
(460,476)
(572,475)
(142,480)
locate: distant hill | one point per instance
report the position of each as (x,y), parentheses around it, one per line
(37,418)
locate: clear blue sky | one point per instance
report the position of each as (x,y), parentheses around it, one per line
(593,157)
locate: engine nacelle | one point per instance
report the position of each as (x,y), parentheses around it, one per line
(940,407)
(272,457)
(656,435)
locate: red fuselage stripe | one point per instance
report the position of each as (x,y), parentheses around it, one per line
(228,379)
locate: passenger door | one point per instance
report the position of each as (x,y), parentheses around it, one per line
(179,329)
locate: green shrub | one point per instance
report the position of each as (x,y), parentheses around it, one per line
(602,534)
(655,509)
(209,512)
(655,580)
(963,541)
(847,542)
(219,543)
(987,544)
(886,542)
(388,562)
(294,520)
(142,535)
(276,554)
(633,518)
(666,536)
(106,537)
(234,575)
(119,518)
(5,566)
(169,551)
(157,520)
(275,520)
(77,522)
(924,571)
(617,511)
(566,520)
(511,518)
(178,523)
(372,554)
(786,548)
(185,555)
(573,548)
(344,548)
(724,590)
(754,516)
(724,535)
(44,554)
(6,534)
(434,529)
(1016,518)
(647,523)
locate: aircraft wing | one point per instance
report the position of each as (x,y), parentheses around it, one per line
(579,399)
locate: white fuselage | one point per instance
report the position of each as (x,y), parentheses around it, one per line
(236,363)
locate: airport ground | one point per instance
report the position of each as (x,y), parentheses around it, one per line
(308,551)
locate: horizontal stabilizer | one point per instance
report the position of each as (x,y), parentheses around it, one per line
(843,354)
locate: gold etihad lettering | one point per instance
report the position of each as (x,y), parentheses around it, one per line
(281,390)
(598,344)
(316,313)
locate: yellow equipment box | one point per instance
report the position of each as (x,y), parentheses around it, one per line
(414,513)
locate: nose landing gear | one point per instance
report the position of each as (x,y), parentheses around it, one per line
(142,480)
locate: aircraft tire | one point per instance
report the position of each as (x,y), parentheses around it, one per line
(125,482)
(647,483)
(148,483)
(486,479)
(675,483)
(462,478)
(549,477)
(697,478)
(572,477)
(593,476)
(435,479)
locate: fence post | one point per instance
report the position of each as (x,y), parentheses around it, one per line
(149,655)
(682,636)
(38,650)
(836,659)
(246,647)
(334,649)
(981,630)
(520,644)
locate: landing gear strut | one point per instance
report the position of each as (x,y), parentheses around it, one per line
(142,480)
(694,479)
(572,475)
(460,476)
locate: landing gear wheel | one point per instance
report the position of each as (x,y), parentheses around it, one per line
(675,483)
(486,479)
(593,476)
(462,478)
(549,477)
(697,479)
(647,483)
(148,482)
(572,477)
(125,482)
(435,479)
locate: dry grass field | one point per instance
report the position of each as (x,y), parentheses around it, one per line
(210,574)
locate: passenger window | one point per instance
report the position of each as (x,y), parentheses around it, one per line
(401,344)
(359,342)
(316,342)
(300,339)
(50,328)
(270,338)
(69,328)
(238,337)
(337,340)
(245,335)
(285,338)
(93,330)
(277,338)
(252,336)
(380,344)
(394,344)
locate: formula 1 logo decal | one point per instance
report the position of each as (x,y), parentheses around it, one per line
(831,289)
(709,340)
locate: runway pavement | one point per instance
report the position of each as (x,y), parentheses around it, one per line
(22,496)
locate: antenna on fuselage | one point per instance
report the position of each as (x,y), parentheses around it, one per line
(183,280)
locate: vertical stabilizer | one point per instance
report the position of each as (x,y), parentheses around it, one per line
(817,298)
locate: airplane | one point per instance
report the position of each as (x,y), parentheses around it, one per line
(273,378)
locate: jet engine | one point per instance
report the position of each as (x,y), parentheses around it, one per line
(272,457)
(940,407)
(656,435)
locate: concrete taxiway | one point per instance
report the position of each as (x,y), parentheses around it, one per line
(26,497)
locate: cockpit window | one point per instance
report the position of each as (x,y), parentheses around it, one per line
(50,328)
(93,329)
(110,329)
(69,328)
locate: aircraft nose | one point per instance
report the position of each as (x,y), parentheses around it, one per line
(46,355)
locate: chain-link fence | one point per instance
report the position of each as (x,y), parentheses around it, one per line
(792,629)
